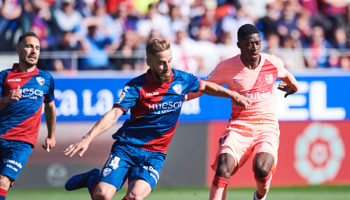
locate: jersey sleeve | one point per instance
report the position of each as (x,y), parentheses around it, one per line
(128,97)
(216,75)
(49,96)
(278,63)
(194,83)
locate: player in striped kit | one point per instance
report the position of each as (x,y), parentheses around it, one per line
(23,91)
(155,100)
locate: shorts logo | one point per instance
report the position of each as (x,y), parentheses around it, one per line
(40,80)
(177,88)
(106,172)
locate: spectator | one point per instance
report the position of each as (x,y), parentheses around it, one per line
(210,55)
(176,21)
(94,53)
(342,46)
(292,54)
(286,25)
(67,18)
(10,13)
(317,50)
(226,47)
(63,61)
(153,21)
(128,58)
(124,20)
(185,53)
(266,24)
(207,19)
(273,44)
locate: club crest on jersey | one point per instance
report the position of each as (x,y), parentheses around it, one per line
(40,80)
(269,78)
(106,171)
(177,88)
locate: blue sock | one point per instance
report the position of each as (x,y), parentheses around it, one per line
(91,183)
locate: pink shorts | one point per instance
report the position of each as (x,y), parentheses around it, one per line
(242,139)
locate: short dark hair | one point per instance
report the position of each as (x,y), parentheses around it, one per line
(27,34)
(155,46)
(245,30)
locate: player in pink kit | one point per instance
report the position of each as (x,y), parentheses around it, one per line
(253,131)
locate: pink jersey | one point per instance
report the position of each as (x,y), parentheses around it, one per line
(255,84)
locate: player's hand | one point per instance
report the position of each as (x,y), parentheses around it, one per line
(49,143)
(15,94)
(286,88)
(81,146)
(242,101)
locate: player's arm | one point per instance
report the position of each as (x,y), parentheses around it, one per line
(214,89)
(106,122)
(289,84)
(50,117)
(14,95)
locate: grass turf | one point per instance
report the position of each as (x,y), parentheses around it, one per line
(285,193)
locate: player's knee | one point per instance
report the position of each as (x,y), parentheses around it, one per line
(5,182)
(134,195)
(223,171)
(102,195)
(262,171)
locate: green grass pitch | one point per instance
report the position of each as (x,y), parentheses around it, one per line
(161,193)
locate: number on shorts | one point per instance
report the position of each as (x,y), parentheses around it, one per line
(114,163)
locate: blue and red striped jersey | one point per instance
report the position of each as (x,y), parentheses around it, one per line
(154,108)
(20,120)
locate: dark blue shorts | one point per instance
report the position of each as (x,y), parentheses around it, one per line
(13,155)
(126,161)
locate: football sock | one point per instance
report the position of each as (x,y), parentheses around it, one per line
(263,185)
(218,188)
(91,184)
(3,194)
(125,198)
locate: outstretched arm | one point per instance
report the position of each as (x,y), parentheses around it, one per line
(106,122)
(289,84)
(50,117)
(214,89)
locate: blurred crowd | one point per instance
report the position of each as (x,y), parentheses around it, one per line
(111,34)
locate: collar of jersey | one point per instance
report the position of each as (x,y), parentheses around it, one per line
(15,69)
(150,79)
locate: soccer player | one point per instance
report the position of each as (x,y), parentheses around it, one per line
(23,90)
(155,99)
(253,131)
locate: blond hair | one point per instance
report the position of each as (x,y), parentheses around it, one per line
(155,46)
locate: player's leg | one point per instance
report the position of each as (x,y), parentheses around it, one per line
(5,183)
(144,177)
(262,166)
(138,190)
(104,191)
(14,155)
(265,157)
(226,166)
(234,150)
